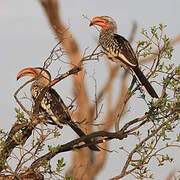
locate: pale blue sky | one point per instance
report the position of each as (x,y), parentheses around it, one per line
(26,40)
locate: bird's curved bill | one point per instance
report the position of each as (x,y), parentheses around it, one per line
(97,21)
(26,72)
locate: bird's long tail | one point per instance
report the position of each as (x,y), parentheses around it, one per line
(145,82)
(81,133)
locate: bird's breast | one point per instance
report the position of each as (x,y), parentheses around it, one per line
(112,53)
(35,91)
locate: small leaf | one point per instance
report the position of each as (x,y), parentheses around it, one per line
(60,164)
(178,138)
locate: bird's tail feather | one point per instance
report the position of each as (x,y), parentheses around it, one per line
(145,82)
(81,133)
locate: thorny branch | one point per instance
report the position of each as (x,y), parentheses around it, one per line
(124,170)
(10,142)
(97,137)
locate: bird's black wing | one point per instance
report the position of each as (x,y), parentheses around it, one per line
(126,53)
(57,111)
(57,107)
(128,56)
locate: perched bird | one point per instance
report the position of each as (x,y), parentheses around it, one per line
(51,104)
(119,50)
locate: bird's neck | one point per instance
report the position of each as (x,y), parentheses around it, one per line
(106,35)
(37,87)
(37,84)
(35,90)
(41,82)
(106,32)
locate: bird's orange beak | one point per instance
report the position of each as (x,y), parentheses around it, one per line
(99,21)
(27,72)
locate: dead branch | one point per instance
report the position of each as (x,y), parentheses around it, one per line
(11,141)
(124,171)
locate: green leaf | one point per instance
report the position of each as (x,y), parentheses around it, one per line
(178,138)
(67,177)
(54,149)
(168,126)
(60,164)
(162,133)
(153,30)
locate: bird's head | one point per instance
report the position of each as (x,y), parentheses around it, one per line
(41,76)
(105,22)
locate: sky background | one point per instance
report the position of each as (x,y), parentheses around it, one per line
(26,40)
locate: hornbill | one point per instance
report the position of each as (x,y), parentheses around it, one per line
(119,50)
(51,104)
